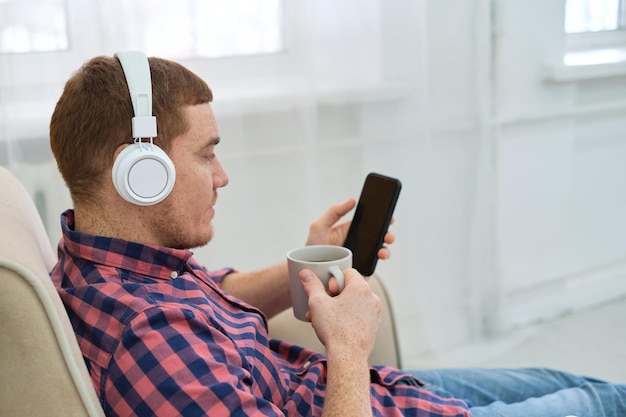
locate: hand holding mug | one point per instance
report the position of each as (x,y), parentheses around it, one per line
(325,261)
(345,324)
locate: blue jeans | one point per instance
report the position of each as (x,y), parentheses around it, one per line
(526,392)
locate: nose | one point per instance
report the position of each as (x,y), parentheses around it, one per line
(220,177)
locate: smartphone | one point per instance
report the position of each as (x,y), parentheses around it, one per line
(371,220)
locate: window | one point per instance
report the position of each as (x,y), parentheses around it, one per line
(595,32)
(210,28)
(593,16)
(33,26)
(170,28)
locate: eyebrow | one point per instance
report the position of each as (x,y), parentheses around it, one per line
(214,141)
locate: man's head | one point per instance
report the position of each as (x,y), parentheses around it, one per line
(91,125)
(93,118)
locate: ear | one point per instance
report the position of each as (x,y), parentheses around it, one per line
(120,149)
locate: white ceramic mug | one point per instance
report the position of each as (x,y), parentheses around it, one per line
(325,261)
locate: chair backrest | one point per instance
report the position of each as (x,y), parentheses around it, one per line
(42,370)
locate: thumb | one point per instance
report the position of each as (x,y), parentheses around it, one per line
(311,283)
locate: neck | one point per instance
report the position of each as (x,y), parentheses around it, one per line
(115,219)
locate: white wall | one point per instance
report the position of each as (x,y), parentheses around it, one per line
(514,183)
(561,177)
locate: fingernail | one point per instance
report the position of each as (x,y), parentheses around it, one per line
(305,275)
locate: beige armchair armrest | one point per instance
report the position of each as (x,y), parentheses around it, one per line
(386,350)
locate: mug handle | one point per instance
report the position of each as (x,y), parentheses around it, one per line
(338,274)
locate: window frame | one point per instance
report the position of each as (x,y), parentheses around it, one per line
(591,55)
(585,41)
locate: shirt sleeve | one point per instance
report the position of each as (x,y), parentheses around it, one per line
(218,276)
(170,361)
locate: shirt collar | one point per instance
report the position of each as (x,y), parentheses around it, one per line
(153,261)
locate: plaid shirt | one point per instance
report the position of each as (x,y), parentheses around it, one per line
(159,337)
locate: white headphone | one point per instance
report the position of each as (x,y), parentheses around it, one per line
(142,173)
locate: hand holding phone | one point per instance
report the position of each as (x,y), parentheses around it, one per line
(371,220)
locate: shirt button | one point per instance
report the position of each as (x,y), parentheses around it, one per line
(174,274)
(306,364)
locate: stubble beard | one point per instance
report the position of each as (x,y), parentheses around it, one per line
(175,235)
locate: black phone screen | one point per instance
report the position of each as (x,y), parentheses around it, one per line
(371,220)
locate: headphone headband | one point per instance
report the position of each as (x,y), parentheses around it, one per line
(142,173)
(137,73)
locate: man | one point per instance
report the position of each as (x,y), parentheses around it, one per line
(163,336)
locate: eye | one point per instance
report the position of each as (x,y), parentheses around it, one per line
(207,154)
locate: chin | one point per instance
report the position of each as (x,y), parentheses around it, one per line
(185,236)
(199,241)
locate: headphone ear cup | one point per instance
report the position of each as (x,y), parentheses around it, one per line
(143,174)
